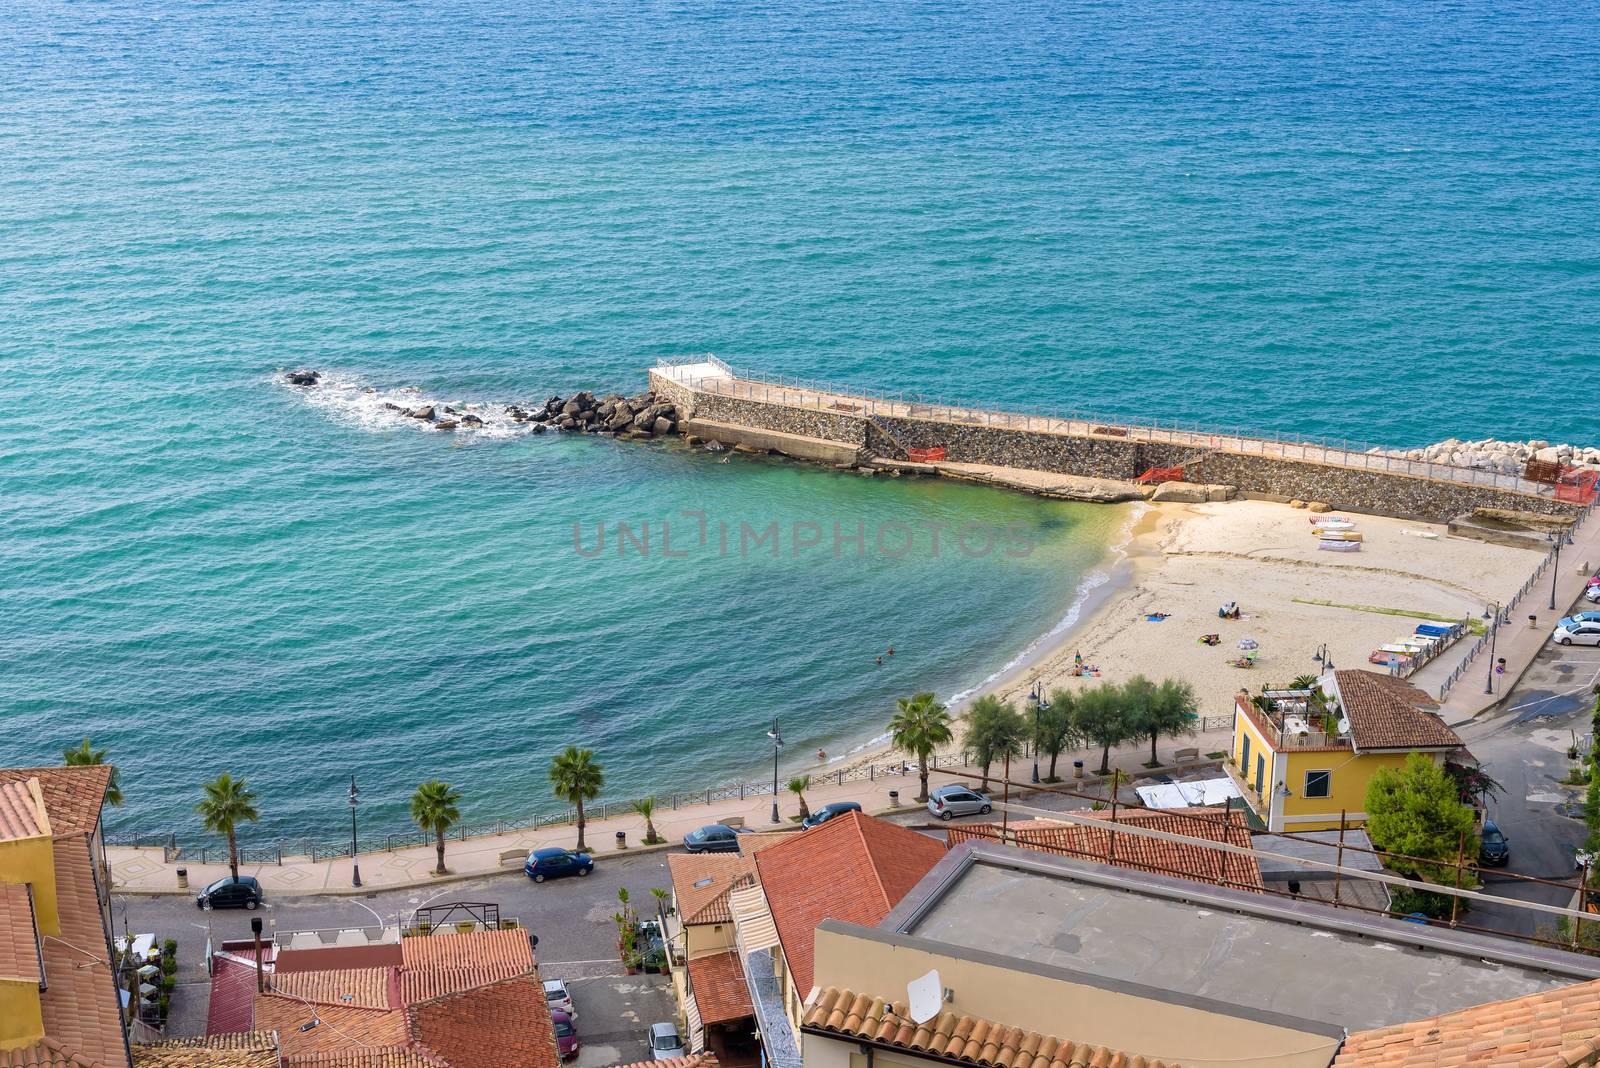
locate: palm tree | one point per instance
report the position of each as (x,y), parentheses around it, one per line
(85,756)
(228,802)
(920,727)
(646,807)
(577,778)
(434,808)
(798,786)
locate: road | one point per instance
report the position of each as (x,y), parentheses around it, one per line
(1523,746)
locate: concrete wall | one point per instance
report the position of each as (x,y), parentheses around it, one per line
(1074,1010)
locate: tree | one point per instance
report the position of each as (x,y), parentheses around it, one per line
(995,732)
(84,756)
(1416,810)
(434,809)
(646,807)
(919,728)
(1101,717)
(798,786)
(1056,733)
(228,802)
(577,778)
(1160,711)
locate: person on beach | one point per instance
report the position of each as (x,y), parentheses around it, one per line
(821,755)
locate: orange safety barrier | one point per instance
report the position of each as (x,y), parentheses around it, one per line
(926,456)
(1575,486)
(1162,474)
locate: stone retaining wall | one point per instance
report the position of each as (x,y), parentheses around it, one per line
(1028,449)
(807,422)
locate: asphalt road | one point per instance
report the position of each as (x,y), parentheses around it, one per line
(1523,746)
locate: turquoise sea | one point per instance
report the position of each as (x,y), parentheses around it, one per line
(1372,221)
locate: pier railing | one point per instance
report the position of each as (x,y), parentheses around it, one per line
(855,400)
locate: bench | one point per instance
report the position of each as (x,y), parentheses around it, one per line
(732,821)
(1186,756)
(518,855)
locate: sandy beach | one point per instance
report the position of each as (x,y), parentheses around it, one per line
(1188,560)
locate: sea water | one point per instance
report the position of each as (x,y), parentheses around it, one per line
(1372,222)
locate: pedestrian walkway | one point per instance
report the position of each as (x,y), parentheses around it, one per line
(146,871)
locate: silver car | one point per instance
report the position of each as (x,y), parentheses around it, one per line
(665,1043)
(948,802)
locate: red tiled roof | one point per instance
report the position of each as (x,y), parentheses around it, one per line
(698,1060)
(719,988)
(719,872)
(72,796)
(81,1010)
(854,868)
(231,1009)
(504,1025)
(252,1049)
(1390,713)
(958,1037)
(1553,1029)
(21,811)
(359,988)
(19,944)
(1138,853)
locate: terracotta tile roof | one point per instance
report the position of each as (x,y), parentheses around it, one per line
(341,1029)
(231,1008)
(754,842)
(1389,713)
(1141,854)
(698,1060)
(19,941)
(359,988)
(505,1025)
(1553,1029)
(72,796)
(22,811)
(509,948)
(82,1014)
(719,872)
(959,1037)
(720,992)
(368,1058)
(252,1049)
(854,868)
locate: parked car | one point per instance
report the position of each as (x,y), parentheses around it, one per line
(230,893)
(665,1042)
(566,1034)
(827,812)
(1494,848)
(947,802)
(1579,634)
(714,838)
(1578,617)
(560,998)
(554,862)
(651,947)
(1592,594)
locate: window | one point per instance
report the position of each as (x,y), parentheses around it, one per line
(1318,783)
(1244,754)
(1261,771)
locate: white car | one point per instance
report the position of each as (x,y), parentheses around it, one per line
(1577,634)
(560,998)
(1592,595)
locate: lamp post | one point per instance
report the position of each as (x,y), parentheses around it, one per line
(777,744)
(1494,632)
(1038,704)
(1324,658)
(1555,568)
(355,864)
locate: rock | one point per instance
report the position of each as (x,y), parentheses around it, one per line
(715,446)
(1319,506)
(424,412)
(1548,454)
(538,428)
(692,439)
(517,414)
(303,378)
(662,426)
(1297,503)
(471,421)
(445,424)
(394,407)
(1180,493)
(566,422)
(450,411)
(1220,493)
(572,407)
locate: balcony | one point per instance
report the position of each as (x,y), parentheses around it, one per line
(1296,719)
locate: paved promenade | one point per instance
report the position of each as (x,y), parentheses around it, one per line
(143,870)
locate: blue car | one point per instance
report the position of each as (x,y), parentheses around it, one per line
(553,863)
(828,812)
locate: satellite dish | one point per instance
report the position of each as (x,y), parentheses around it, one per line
(1344,726)
(926,997)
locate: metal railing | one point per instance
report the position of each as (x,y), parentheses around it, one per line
(859,401)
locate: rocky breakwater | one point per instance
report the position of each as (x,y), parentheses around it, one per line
(641,416)
(1504,457)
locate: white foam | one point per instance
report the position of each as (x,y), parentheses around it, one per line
(353,402)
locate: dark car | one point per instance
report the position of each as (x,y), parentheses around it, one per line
(230,893)
(827,812)
(553,863)
(1495,848)
(714,838)
(566,1034)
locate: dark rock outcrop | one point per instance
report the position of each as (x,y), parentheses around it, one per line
(302,377)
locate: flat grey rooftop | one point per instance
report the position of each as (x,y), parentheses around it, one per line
(1320,846)
(1180,941)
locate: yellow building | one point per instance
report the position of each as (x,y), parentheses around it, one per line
(715,1012)
(1304,757)
(59,1001)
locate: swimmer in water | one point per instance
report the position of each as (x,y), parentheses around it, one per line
(821,755)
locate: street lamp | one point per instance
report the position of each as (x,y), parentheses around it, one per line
(355,864)
(1325,658)
(1555,569)
(777,744)
(1494,632)
(1039,703)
